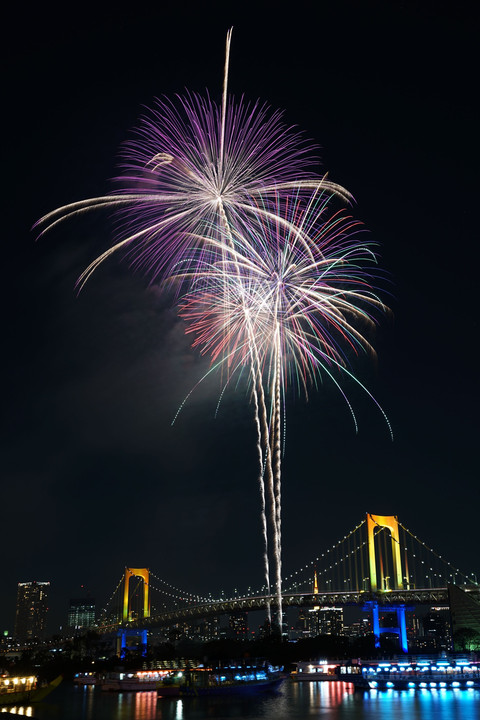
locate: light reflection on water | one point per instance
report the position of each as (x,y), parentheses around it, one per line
(294,701)
(22,710)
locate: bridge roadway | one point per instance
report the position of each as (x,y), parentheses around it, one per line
(420,596)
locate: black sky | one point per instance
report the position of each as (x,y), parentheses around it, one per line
(93,476)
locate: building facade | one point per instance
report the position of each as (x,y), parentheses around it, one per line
(31,612)
(320,621)
(81,613)
(238,625)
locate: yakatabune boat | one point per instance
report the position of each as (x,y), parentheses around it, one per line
(231,680)
(139,681)
(21,690)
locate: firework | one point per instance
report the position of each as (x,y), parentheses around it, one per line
(311,282)
(222,202)
(284,304)
(191,165)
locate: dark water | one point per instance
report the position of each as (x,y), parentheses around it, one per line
(294,701)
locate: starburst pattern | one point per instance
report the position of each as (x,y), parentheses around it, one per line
(186,171)
(222,202)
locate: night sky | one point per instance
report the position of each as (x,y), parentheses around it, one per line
(93,475)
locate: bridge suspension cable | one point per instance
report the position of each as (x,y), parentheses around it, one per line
(175,593)
(347,564)
(379,554)
(343,566)
(113,609)
(419,554)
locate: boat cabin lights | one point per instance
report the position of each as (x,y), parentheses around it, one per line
(19,681)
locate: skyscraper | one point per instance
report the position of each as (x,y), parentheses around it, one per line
(238,625)
(31,614)
(81,613)
(320,621)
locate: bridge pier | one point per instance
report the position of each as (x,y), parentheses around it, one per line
(400,629)
(122,636)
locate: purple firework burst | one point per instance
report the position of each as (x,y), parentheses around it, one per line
(190,167)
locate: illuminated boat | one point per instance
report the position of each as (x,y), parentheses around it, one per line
(416,673)
(231,680)
(140,681)
(85,678)
(16,690)
(324,670)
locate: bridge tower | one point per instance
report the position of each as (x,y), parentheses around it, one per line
(123,633)
(143,573)
(380,582)
(390,522)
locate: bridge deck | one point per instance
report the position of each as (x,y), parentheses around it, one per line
(425,596)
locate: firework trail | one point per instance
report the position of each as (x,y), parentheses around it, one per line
(295,298)
(222,203)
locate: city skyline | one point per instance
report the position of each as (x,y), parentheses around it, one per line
(429,627)
(94,477)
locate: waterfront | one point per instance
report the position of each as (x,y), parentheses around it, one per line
(295,701)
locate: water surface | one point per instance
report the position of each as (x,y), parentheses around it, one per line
(294,701)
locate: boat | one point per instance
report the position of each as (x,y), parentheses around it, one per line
(139,681)
(16,690)
(230,680)
(85,678)
(323,670)
(414,674)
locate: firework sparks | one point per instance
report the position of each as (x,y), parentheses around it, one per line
(285,302)
(309,293)
(222,202)
(191,165)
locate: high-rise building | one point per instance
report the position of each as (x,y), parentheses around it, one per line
(238,625)
(81,613)
(358,629)
(465,611)
(320,621)
(414,628)
(437,629)
(31,614)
